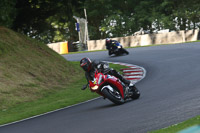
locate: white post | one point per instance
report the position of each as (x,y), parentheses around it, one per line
(86,26)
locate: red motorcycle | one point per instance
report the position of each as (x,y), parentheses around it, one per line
(112,88)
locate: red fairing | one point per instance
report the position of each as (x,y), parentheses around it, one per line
(117,83)
(95,85)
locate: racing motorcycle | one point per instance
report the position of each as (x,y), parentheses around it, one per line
(112,88)
(117,49)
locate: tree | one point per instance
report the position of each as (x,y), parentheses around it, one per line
(46,20)
(7,12)
(52,20)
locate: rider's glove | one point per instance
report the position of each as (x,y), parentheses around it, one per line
(84,87)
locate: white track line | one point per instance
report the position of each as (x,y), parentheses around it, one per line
(49,112)
(138,69)
(134,73)
(132,76)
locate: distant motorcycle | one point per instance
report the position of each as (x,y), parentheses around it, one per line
(112,88)
(117,49)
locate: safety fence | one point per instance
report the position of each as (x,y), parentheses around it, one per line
(132,41)
(148,39)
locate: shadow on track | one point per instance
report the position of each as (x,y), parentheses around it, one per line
(107,106)
(114,56)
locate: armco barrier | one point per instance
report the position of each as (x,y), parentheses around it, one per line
(148,39)
(60,47)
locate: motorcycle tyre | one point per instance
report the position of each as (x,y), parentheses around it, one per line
(136,93)
(108,95)
(109,53)
(125,51)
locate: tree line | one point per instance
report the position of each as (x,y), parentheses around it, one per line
(52,20)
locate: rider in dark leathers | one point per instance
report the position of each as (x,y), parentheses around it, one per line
(112,47)
(90,67)
(110,44)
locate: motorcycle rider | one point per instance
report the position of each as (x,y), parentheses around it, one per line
(109,44)
(90,67)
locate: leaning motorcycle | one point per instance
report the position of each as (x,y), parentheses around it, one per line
(117,49)
(112,88)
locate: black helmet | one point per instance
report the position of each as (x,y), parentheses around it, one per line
(85,63)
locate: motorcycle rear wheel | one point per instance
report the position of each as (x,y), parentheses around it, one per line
(136,93)
(110,53)
(115,96)
(125,51)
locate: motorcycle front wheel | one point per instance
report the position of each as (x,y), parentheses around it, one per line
(113,96)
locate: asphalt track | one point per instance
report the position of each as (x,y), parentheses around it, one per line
(170,94)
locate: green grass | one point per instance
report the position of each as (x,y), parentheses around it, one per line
(51,100)
(29,68)
(181,126)
(30,72)
(34,79)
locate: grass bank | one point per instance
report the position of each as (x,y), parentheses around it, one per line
(180,126)
(51,100)
(34,79)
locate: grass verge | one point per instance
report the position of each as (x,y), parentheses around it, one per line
(51,100)
(181,126)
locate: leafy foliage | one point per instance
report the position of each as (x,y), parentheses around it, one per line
(47,20)
(7,12)
(52,20)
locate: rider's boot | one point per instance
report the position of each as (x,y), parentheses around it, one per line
(128,87)
(127,82)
